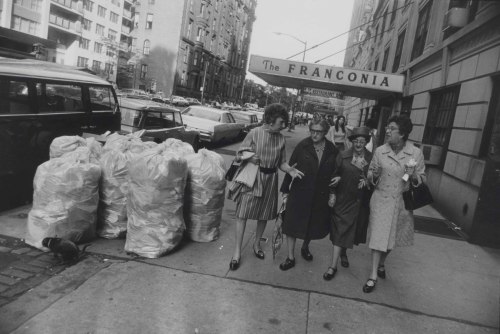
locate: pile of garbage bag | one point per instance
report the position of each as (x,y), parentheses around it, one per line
(114,185)
(204,199)
(155,205)
(66,195)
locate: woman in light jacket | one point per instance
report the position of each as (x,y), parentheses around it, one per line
(391,225)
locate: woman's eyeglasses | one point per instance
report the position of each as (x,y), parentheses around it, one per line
(316,132)
(360,142)
(391,128)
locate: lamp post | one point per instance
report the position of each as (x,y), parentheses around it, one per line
(303,60)
(298,40)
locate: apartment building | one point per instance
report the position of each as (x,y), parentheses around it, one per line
(449,53)
(71,32)
(213,48)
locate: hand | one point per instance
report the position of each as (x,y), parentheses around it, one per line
(363,182)
(285,197)
(334,181)
(409,170)
(332,199)
(295,173)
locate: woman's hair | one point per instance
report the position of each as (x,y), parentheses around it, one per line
(323,123)
(342,126)
(273,111)
(404,124)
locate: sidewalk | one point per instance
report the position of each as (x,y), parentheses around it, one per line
(439,285)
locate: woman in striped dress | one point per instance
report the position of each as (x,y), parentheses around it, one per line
(261,201)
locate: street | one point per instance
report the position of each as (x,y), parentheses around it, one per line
(441,284)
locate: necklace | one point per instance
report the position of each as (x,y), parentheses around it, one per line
(319,147)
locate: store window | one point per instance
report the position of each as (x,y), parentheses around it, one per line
(440,118)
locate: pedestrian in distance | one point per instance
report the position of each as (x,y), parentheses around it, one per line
(338,134)
(307,214)
(394,165)
(352,198)
(260,201)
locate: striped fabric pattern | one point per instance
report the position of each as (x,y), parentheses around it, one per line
(270,148)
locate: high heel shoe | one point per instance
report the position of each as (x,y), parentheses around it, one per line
(288,264)
(259,254)
(344,261)
(381,271)
(327,276)
(234,264)
(369,288)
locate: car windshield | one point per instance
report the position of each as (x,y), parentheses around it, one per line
(202,113)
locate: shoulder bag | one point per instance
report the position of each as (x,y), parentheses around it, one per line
(417,197)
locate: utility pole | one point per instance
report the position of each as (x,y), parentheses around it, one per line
(204,79)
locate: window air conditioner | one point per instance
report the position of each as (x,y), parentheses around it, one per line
(432,154)
(456,17)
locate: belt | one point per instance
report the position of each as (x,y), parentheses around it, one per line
(268,170)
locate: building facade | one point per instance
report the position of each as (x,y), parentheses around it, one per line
(449,53)
(213,48)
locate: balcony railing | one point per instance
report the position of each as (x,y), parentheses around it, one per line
(76,6)
(73,27)
(127,14)
(125,30)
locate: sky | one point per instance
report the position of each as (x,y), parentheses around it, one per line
(311,21)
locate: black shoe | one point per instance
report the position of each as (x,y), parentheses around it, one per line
(381,271)
(344,261)
(369,288)
(288,264)
(327,276)
(306,254)
(259,254)
(234,264)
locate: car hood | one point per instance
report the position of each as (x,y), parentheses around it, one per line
(199,123)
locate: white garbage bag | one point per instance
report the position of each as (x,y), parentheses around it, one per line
(178,146)
(65,199)
(204,199)
(156,196)
(65,144)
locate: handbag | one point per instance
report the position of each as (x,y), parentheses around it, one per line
(417,197)
(277,239)
(232,170)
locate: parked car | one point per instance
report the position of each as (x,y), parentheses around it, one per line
(193,102)
(131,91)
(249,119)
(159,120)
(179,101)
(213,124)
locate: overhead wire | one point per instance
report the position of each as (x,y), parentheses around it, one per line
(337,36)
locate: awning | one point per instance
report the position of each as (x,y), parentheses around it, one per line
(23,38)
(351,82)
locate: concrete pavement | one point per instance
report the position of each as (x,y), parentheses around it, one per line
(439,285)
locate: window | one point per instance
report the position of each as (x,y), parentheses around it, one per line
(185,56)
(115,2)
(190,27)
(96,66)
(422,29)
(146,47)
(97,47)
(113,17)
(112,34)
(34,5)
(88,5)
(101,11)
(110,51)
(214,22)
(27,26)
(149,21)
(202,8)
(82,62)
(440,117)
(199,34)
(384,61)
(108,68)
(195,60)
(87,25)
(99,29)
(375,67)
(382,30)
(14,97)
(399,51)
(84,43)
(144,71)
(58,98)
(183,78)
(101,98)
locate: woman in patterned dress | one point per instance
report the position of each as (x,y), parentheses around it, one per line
(390,224)
(261,201)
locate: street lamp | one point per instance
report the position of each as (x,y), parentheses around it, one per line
(298,40)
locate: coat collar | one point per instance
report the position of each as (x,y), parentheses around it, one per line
(309,147)
(405,152)
(346,154)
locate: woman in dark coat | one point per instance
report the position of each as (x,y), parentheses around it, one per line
(307,214)
(351,209)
